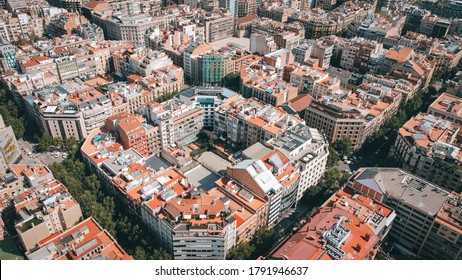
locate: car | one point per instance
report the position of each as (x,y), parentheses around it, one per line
(347,161)
(345,157)
(30,154)
(65,156)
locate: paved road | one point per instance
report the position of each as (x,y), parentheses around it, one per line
(36,158)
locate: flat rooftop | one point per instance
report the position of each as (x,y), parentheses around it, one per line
(202,178)
(156,163)
(214,162)
(243,43)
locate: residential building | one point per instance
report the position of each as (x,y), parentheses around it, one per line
(129,28)
(179,121)
(427,146)
(443,241)
(249,210)
(353,115)
(447,107)
(262,82)
(208,99)
(257,178)
(275,10)
(243,122)
(131,131)
(308,150)
(217,26)
(7,56)
(10,151)
(345,227)
(45,208)
(415,201)
(84,241)
(316,23)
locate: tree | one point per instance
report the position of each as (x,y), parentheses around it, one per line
(243,251)
(343,146)
(413,106)
(57,142)
(232,81)
(70,143)
(343,178)
(160,254)
(45,142)
(332,176)
(332,158)
(140,254)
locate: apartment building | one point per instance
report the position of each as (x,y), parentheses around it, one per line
(68,110)
(190,58)
(258,179)
(447,107)
(7,56)
(84,241)
(308,150)
(189,222)
(376,27)
(217,26)
(10,151)
(283,169)
(443,241)
(141,61)
(279,58)
(354,115)
(179,121)
(275,10)
(408,86)
(262,82)
(447,54)
(244,122)
(262,43)
(208,99)
(45,208)
(129,28)
(415,201)
(360,55)
(428,147)
(303,77)
(345,227)
(316,23)
(249,210)
(131,131)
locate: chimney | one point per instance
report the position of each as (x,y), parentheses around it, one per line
(358,247)
(367,237)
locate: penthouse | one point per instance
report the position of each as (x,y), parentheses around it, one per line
(68,110)
(347,226)
(427,146)
(190,223)
(84,241)
(262,83)
(316,23)
(307,149)
(247,121)
(44,208)
(356,115)
(447,107)
(416,202)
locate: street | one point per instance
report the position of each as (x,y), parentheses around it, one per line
(36,158)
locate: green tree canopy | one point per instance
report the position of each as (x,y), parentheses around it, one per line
(343,146)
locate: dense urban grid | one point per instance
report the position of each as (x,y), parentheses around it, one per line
(231,129)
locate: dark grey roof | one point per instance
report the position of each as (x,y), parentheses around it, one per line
(156,163)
